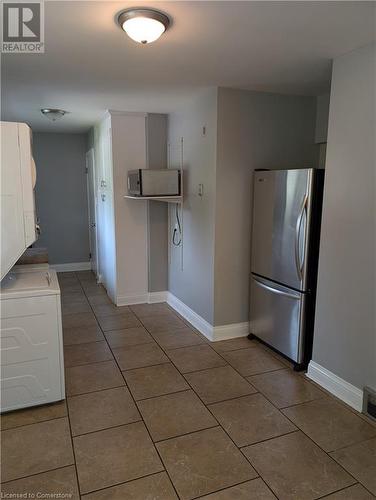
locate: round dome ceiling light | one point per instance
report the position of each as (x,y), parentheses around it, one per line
(143,25)
(53,114)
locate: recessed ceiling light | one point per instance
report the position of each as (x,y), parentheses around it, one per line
(143,25)
(53,114)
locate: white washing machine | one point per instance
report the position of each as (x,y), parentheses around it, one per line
(31,343)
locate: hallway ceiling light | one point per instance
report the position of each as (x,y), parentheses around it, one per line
(53,114)
(143,25)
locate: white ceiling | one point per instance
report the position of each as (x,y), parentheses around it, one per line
(90,65)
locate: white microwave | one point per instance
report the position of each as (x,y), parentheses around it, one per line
(153,182)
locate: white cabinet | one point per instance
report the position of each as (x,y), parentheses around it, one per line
(32,365)
(18,222)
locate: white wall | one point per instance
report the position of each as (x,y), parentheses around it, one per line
(345,328)
(128,140)
(156,126)
(191,269)
(255,130)
(322,116)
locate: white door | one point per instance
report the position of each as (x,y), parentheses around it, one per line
(92,209)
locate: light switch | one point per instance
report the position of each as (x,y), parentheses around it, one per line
(201,190)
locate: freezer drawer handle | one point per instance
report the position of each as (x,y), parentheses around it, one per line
(299,265)
(276,291)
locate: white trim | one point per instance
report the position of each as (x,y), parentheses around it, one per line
(142,298)
(200,323)
(157,297)
(71,266)
(336,385)
(232,331)
(130,299)
(213,333)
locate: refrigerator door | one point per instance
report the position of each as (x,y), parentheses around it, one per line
(281,212)
(276,317)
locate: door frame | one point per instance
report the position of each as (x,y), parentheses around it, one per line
(90,159)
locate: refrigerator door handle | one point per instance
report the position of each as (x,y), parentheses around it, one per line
(276,290)
(298,263)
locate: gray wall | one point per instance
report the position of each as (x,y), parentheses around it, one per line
(191,270)
(156,129)
(345,329)
(255,130)
(61,196)
(322,117)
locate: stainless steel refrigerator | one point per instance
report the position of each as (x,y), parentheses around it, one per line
(285,246)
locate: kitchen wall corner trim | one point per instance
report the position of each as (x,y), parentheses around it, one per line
(132,298)
(213,333)
(157,297)
(71,266)
(336,385)
(232,331)
(197,321)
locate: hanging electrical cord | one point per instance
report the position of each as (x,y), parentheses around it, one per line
(176,236)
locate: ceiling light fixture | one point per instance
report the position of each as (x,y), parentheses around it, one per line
(53,114)
(143,25)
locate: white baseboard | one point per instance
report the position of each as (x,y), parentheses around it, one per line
(142,298)
(131,299)
(157,297)
(336,385)
(213,333)
(71,266)
(232,331)
(197,321)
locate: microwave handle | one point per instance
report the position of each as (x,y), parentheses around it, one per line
(129,183)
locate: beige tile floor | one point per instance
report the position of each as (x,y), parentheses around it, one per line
(156,412)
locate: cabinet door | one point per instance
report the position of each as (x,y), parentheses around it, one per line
(12,214)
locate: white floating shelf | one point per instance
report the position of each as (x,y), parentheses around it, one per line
(168,199)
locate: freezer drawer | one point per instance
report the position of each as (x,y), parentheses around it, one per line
(276,317)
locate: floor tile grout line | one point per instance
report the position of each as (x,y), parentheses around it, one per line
(69,396)
(188,389)
(123,482)
(110,427)
(234,486)
(285,366)
(71,436)
(352,444)
(241,447)
(32,423)
(341,489)
(242,454)
(164,440)
(142,419)
(36,474)
(90,363)
(268,439)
